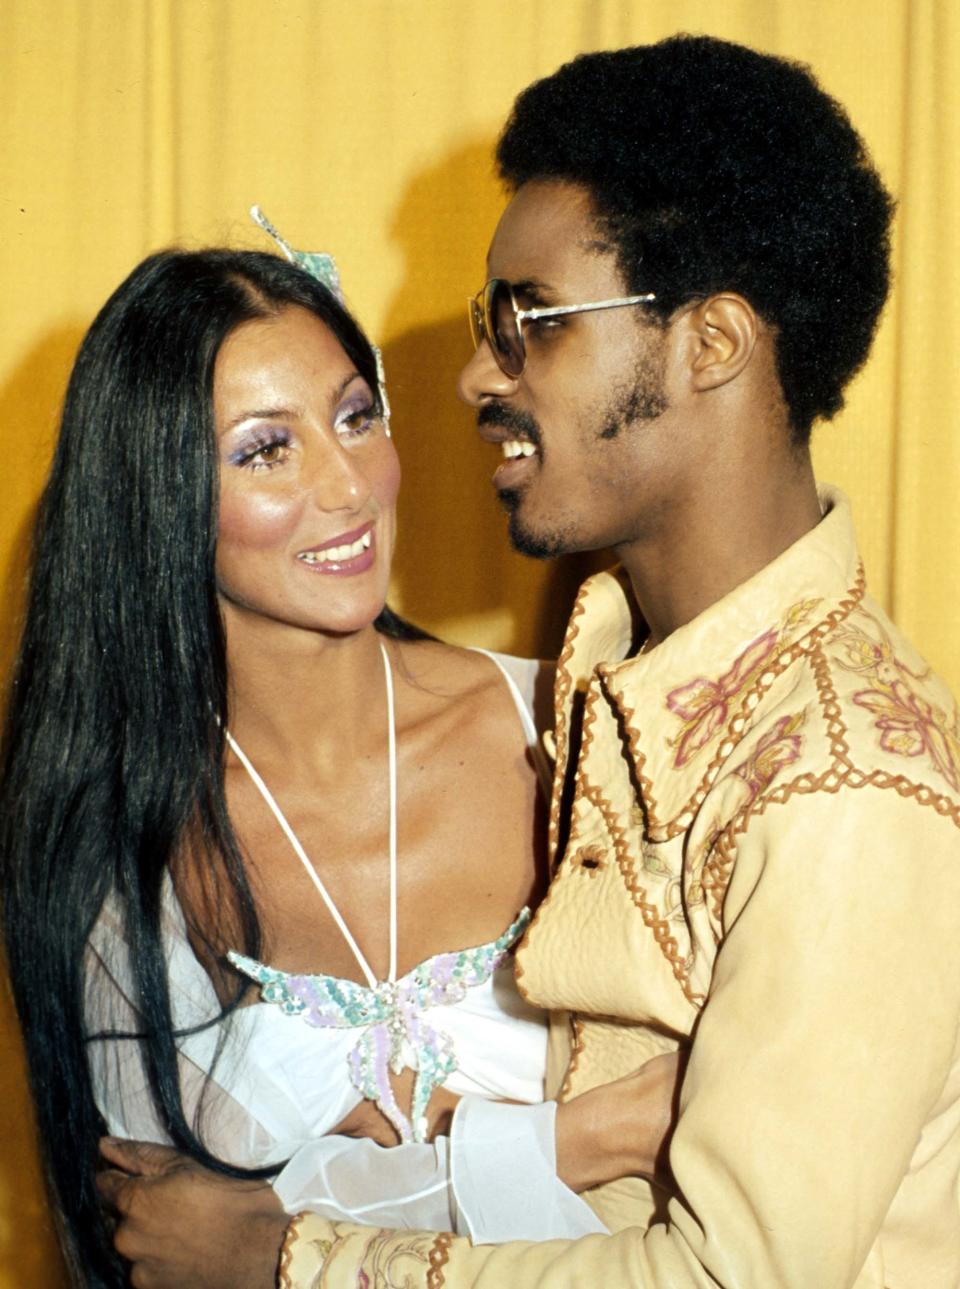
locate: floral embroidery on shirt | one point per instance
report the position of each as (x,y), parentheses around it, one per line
(703,860)
(671,886)
(909,724)
(703,704)
(777,749)
(780,747)
(396,1261)
(651,861)
(799,614)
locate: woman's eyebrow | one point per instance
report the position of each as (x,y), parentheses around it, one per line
(345,383)
(259,414)
(278,412)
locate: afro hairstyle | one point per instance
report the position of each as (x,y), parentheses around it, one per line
(713,167)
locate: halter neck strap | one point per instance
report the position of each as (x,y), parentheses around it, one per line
(302,854)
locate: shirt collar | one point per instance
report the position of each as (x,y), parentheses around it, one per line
(686,704)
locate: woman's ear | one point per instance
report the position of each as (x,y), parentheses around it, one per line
(721,335)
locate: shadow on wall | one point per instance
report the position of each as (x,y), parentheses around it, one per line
(29,410)
(454,567)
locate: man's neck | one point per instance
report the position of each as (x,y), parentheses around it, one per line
(715,542)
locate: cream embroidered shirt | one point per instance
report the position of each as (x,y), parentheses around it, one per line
(763,859)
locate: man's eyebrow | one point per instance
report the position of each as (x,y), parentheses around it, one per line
(596,246)
(533,286)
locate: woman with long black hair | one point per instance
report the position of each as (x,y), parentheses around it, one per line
(225,760)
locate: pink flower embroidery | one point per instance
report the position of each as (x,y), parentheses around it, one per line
(778,748)
(861,654)
(704,704)
(910,726)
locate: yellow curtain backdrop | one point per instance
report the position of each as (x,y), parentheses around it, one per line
(365,127)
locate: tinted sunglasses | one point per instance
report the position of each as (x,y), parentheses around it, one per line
(496,319)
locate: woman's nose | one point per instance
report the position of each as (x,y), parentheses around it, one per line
(339,481)
(482,379)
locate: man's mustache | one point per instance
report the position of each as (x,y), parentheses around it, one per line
(510,418)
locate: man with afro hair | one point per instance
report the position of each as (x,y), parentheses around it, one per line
(756,815)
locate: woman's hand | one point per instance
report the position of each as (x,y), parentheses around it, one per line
(367,1119)
(179,1224)
(620,1129)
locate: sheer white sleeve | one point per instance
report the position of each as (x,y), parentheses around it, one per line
(503,1165)
(495,1180)
(345,1177)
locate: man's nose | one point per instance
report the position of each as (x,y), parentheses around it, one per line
(481,379)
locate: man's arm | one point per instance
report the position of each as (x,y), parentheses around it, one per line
(144,1180)
(823,1050)
(179,1223)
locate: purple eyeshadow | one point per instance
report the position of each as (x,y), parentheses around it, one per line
(255,442)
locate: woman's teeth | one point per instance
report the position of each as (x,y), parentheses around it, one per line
(515,448)
(338,554)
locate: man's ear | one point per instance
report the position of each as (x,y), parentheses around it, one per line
(720,335)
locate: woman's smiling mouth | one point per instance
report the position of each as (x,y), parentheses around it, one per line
(349,553)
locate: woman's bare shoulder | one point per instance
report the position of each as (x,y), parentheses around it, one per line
(457,672)
(470,685)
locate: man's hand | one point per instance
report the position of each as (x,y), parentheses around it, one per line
(180,1224)
(620,1129)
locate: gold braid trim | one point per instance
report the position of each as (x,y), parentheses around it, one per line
(439,1257)
(290,1237)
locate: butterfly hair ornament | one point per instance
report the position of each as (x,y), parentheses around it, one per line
(323,267)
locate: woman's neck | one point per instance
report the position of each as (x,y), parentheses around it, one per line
(302,700)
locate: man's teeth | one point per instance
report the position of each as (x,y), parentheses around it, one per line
(338,554)
(516,448)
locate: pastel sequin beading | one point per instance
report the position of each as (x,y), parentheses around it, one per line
(390,1014)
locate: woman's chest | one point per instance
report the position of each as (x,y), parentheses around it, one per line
(459,866)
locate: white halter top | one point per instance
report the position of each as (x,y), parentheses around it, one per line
(391,1014)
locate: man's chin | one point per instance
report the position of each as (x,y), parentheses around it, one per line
(523,538)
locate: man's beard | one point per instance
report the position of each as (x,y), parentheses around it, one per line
(644,400)
(524,540)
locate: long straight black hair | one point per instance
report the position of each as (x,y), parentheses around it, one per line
(113,740)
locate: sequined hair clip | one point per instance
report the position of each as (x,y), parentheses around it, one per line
(323,267)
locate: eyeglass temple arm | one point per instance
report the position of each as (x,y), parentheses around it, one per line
(559,310)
